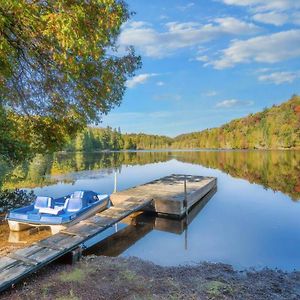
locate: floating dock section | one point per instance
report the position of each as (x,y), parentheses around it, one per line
(172,195)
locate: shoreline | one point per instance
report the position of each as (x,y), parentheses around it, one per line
(100,277)
(181,150)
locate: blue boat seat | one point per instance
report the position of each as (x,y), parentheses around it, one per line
(75,204)
(43,202)
(77,194)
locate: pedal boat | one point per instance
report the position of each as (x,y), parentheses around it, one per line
(57,213)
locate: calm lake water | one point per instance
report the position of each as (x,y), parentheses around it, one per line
(252,220)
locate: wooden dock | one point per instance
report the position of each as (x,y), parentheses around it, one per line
(139,225)
(169,195)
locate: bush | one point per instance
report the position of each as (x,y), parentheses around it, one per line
(14,199)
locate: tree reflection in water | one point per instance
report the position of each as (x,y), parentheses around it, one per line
(278,170)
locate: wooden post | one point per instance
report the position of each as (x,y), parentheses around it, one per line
(76,255)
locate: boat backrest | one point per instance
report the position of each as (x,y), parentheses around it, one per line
(66,203)
(77,194)
(43,202)
(75,204)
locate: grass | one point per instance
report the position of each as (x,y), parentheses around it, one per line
(129,275)
(217,288)
(46,288)
(69,297)
(77,275)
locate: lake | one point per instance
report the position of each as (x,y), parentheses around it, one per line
(251,220)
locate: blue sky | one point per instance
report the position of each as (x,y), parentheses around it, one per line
(206,62)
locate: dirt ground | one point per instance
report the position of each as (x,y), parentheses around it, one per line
(119,278)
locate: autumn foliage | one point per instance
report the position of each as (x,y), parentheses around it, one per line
(277,127)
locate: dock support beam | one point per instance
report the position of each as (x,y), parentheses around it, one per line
(75,255)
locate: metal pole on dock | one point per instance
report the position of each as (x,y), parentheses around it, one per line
(185,197)
(115,182)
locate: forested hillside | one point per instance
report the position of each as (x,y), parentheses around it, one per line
(99,139)
(146,141)
(277,127)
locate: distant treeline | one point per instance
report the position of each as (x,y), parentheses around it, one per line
(99,139)
(277,127)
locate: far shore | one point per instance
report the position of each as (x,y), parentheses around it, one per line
(181,150)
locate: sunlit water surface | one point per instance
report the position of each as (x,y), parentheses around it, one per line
(252,220)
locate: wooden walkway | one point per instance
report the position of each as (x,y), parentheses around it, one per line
(168,193)
(172,195)
(19,264)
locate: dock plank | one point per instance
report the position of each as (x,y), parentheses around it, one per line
(127,205)
(100,221)
(8,276)
(83,230)
(26,260)
(6,262)
(28,251)
(44,255)
(60,241)
(115,213)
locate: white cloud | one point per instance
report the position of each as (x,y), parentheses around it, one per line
(163,17)
(138,24)
(139,79)
(266,5)
(186,7)
(210,94)
(233,103)
(203,58)
(278,18)
(279,77)
(180,35)
(273,18)
(232,25)
(270,49)
(160,83)
(264,70)
(276,12)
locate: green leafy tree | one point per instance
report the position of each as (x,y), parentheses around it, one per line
(11,147)
(59,65)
